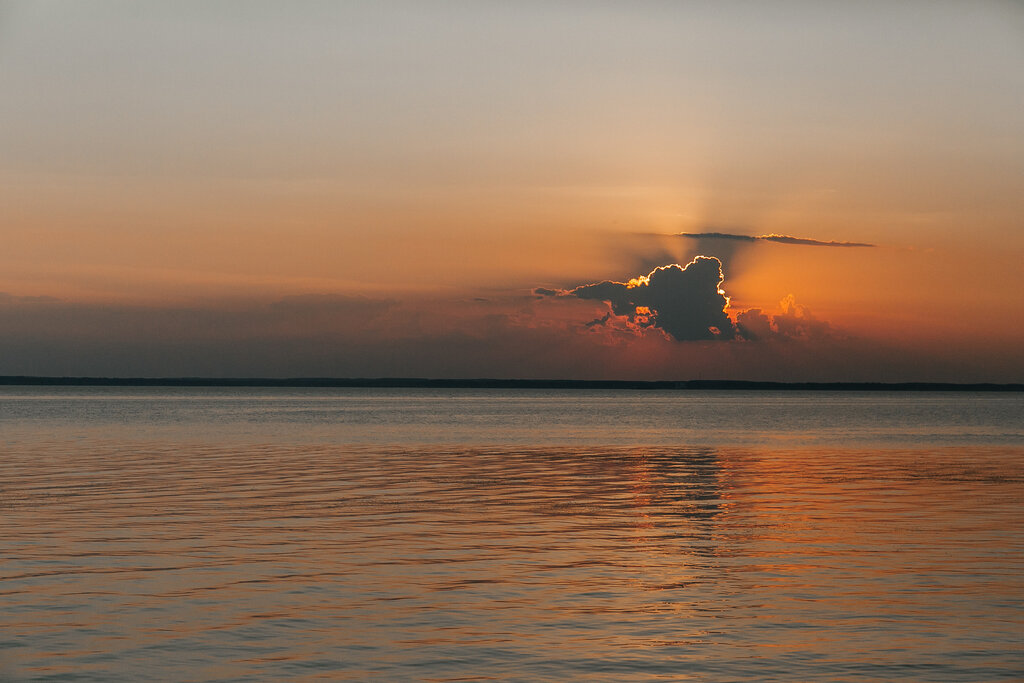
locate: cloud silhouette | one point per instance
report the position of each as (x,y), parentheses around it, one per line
(685,302)
(771,237)
(688,303)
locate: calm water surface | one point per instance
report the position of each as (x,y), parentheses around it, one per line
(261,534)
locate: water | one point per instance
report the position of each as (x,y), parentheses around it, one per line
(249,534)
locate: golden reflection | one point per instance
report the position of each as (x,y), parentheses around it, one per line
(363,556)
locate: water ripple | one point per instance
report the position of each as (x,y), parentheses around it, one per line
(164,560)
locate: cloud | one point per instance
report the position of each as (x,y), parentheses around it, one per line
(796,322)
(771,237)
(754,325)
(732,247)
(793,321)
(685,302)
(426,337)
(717,236)
(688,303)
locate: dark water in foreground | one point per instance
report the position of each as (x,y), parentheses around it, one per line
(249,534)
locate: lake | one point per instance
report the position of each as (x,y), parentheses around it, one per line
(440,535)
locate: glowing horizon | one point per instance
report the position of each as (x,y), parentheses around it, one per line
(385,186)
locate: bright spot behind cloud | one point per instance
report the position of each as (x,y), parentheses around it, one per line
(688,303)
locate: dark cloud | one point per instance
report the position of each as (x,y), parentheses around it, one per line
(718,236)
(688,304)
(296,335)
(419,337)
(771,237)
(684,301)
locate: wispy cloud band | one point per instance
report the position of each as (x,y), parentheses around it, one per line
(772,237)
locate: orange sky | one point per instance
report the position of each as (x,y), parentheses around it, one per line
(178,162)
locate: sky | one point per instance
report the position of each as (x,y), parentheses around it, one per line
(513,189)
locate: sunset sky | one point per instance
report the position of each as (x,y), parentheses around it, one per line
(428,189)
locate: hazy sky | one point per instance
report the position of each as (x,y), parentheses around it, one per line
(379,188)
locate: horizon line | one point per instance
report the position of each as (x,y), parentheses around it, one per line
(497,383)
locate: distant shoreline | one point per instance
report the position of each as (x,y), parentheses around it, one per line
(423,383)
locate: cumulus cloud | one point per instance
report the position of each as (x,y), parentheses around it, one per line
(771,237)
(753,324)
(795,321)
(792,321)
(686,302)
